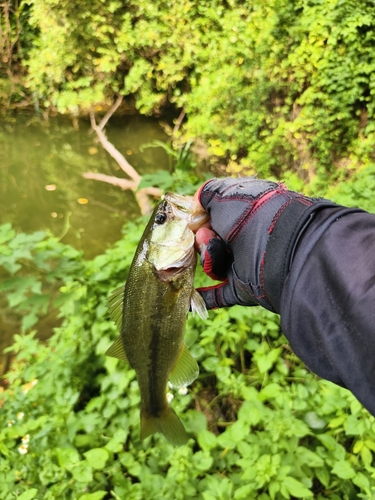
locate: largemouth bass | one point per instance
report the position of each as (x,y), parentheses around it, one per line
(151,312)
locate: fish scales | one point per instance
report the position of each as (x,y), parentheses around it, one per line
(153,329)
(155,301)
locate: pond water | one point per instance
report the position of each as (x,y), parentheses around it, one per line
(41,186)
(41,183)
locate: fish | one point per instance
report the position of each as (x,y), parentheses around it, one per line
(151,308)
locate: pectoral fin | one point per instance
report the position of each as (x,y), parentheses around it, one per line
(116,350)
(186,369)
(198,305)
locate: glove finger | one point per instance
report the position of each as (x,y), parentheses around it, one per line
(216,257)
(218,296)
(225,294)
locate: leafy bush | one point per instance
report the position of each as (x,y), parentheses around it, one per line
(271,87)
(261,426)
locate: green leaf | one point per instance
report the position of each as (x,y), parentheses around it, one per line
(313,420)
(98,495)
(4,450)
(28,495)
(343,469)
(296,488)
(67,457)
(202,460)
(206,439)
(304,455)
(270,391)
(243,492)
(82,472)
(97,457)
(194,421)
(323,475)
(361,481)
(273,488)
(29,320)
(162,179)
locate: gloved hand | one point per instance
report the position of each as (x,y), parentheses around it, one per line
(255,228)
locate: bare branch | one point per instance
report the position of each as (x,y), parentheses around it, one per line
(115,153)
(143,202)
(111,179)
(110,112)
(152,191)
(178,122)
(142,195)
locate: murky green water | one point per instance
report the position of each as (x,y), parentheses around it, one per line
(41,183)
(41,186)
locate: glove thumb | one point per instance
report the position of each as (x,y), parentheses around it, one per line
(216,256)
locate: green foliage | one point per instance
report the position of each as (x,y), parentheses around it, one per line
(284,88)
(183,176)
(261,425)
(291,89)
(36,266)
(272,87)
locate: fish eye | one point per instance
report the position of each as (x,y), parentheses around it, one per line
(160,218)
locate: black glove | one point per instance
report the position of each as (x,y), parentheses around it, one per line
(259,224)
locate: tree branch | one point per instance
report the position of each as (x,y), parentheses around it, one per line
(110,112)
(115,153)
(111,179)
(142,195)
(178,122)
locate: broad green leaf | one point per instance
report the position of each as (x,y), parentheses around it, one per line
(82,472)
(343,470)
(97,495)
(296,488)
(162,179)
(361,481)
(4,450)
(28,495)
(314,421)
(97,457)
(194,421)
(206,439)
(202,460)
(242,493)
(323,475)
(67,457)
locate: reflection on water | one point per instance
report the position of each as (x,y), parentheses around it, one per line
(41,184)
(41,187)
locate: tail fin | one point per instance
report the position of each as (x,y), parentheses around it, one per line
(167,423)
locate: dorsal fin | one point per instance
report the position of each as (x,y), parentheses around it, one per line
(186,369)
(115,305)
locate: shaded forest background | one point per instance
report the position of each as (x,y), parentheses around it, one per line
(281,88)
(277,87)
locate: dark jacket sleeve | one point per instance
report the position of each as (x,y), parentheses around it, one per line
(327,306)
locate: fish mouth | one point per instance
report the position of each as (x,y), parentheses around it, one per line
(176,268)
(169,273)
(186,208)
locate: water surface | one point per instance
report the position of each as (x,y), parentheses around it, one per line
(41,183)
